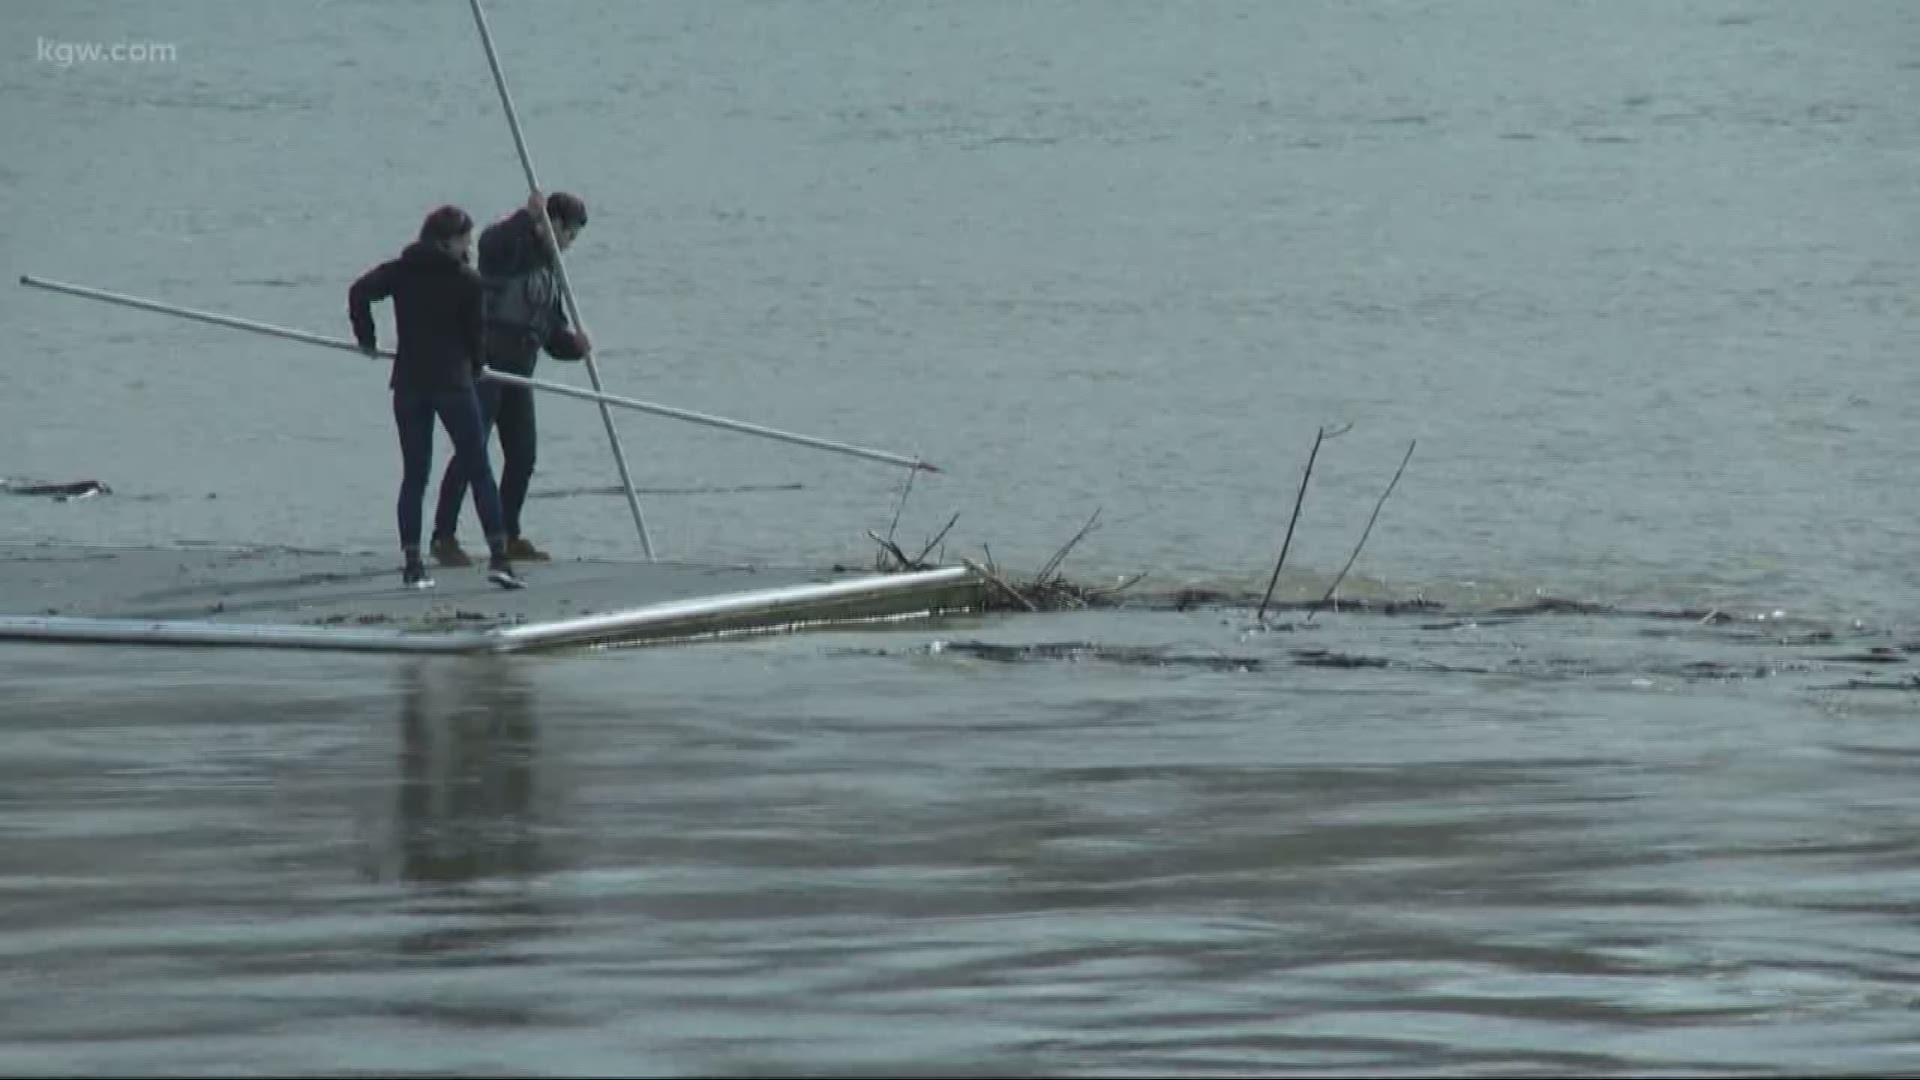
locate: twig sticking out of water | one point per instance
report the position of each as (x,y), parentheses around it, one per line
(1364,533)
(890,559)
(937,538)
(1060,556)
(1319,436)
(905,490)
(1048,590)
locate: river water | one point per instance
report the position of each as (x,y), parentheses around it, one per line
(1628,793)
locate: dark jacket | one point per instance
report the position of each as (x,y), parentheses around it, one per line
(524,309)
(436,313)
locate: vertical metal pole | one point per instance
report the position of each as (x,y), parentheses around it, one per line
(566,287)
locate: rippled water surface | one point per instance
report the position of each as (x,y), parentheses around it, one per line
(1203,852)
(1629,791)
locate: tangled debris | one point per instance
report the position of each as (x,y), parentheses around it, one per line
(1046,590)
(1049,590)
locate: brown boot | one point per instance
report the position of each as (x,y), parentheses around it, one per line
(521,548)
(447,552)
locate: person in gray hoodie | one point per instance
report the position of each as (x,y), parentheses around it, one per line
(524,314)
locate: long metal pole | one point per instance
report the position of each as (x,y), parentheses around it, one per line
(702,418)
(190,313)
(566,288)
(485,373)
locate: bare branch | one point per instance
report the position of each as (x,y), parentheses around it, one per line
(936,540)
(1299,498)
(1061,555)
(905,490)
(1368,531)
(900,557)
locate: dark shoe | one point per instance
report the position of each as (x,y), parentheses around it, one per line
(500,572)
(415,576)
(447,552)
(521,548)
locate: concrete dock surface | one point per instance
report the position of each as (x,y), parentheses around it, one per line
(280,597)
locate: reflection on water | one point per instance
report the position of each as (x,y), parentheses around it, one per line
(464,803)
(465,838)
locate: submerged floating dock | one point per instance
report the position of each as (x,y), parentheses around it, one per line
(281,598)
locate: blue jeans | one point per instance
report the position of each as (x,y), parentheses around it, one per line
(459,413)
(508,410)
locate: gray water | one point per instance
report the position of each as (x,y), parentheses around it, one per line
(1639,278)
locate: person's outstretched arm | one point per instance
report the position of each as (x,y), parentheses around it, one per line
(375,284)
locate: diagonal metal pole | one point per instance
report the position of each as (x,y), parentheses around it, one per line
(344,345)
(560,267)
(721,422)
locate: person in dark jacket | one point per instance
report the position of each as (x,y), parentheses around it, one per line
(436,314)
(524,314)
